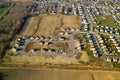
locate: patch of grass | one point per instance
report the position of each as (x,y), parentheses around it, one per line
(106,21)
(107,37)
(115,64)
(94,61)
(118,53)
(89,52)
(4,6)
(94,27)
(2,11)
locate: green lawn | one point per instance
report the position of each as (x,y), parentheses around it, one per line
(2,11)
(106,21)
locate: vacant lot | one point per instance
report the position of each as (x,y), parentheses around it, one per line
(30,26)
(43,60)
(46,24)
(71,21)
(84,57)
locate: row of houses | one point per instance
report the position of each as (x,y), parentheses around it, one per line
(92,14)
(116,42)
(43,50)
(110,45)
(55,7)
(112,59)
(84,18)
(34,50)
(105,45)
(35,38)
(94,46)
(107,29)
(40,39)
(20,43)
(79,44)
(68,30)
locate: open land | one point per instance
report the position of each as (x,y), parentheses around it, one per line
(45,25)
(106,20)
(25,74)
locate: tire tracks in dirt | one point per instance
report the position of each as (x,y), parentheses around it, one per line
(62,21)
(38,25)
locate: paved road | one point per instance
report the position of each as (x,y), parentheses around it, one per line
(89,21)
(72,44)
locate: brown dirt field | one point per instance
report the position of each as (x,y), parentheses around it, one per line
(30,26)
(46,24)
(106,75)
(26,74)
(63,46)
(41,60)
(71,21)
(84,57)
(32,45)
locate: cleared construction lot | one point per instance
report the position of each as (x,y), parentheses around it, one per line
(45,25)
(41,36)
(26,74)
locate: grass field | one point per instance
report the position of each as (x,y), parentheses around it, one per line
(106,21)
